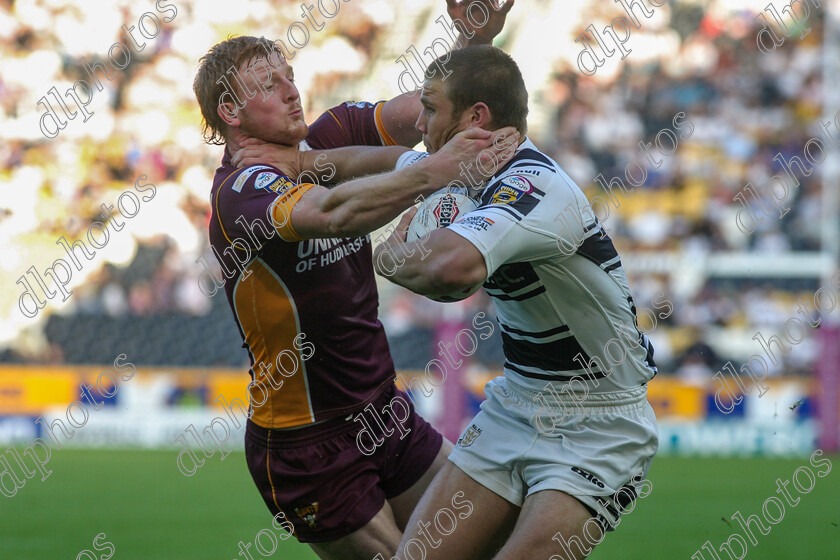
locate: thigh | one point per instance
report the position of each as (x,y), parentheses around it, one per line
(326,489)
(404,504)
(412,455)
(600,457)
(379,536)
(552,523)
(491,448)
(457,519)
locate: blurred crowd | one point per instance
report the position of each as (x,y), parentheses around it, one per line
(744,106)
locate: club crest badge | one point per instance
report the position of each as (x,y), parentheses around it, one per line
(308,513)
(469,436)
(280,186)
(511,189)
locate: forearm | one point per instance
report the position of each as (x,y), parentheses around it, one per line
(409,269)
(360,206)
(441,264)
(344,164)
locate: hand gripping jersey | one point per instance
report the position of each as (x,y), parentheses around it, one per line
(561,295)
(306,308)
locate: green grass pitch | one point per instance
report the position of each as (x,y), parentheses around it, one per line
(148,510)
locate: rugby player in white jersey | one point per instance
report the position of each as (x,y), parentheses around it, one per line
(566,437)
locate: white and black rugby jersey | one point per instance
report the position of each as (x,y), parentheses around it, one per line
(561,295)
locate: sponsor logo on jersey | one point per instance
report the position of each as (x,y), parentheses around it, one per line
(281,185)
(308,513)
(588,476)
(478,223)
(272,182)
(314,253)
(469,436)
(263,179)
(245,175)
(511,189)
(446,210)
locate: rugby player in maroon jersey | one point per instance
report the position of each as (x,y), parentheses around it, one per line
(300,282)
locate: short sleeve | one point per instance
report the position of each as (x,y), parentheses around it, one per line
(281,211)
(254,203)
(350,124)
(517,221)
(409,158)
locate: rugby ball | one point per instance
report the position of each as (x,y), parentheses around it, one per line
(441,209)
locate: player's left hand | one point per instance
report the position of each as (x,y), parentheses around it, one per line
(393,242)
(400,233)
(398,236)
(483,35)
(287,159)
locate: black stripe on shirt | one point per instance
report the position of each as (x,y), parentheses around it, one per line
(523,156)
(525,204)
(528,153)
(520,207)
(540,334)
(558,355)
(555,377)
(527,295)
(517,216)
(512,277)
(598,249)
(613,266)
(649,356)
(524,163)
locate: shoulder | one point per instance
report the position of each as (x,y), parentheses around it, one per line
(531,172)
(528,174)
(245,181)
(349,123)
(530,186)
(530,163)
(346,111)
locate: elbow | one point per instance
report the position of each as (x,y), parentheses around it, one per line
(340,223)
(336,225)
(336,221)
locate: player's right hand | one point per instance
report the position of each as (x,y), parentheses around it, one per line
(288,159)
(479,34)
(473,155)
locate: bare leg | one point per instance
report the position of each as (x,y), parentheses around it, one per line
(379,536)
(404,504)
(382,534)
(482,520)
(552,524)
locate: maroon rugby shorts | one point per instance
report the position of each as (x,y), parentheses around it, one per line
(322,481)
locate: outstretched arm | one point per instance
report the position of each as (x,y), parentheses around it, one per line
(362,205)
(319,166)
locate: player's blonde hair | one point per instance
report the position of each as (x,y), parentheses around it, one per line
(214,65)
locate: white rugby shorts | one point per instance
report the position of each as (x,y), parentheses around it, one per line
(597,451)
